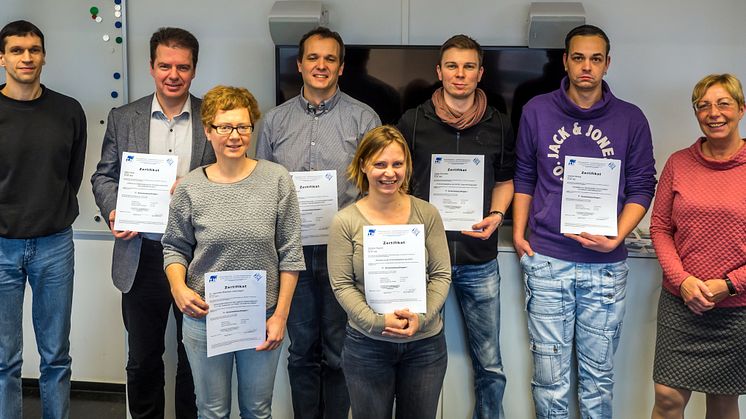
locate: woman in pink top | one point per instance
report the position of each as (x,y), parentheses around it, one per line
(699,231)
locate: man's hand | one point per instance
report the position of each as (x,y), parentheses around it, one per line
(596,242)
(522,246)
(275,333)
(119,234)
(485,228)
(696,295)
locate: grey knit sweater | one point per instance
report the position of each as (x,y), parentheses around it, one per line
(250,224)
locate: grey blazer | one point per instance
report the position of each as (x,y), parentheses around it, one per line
(128,129)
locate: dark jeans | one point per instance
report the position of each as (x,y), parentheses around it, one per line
(145,312)
(316,326)
(378,372)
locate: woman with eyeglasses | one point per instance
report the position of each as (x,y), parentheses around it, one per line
(399,354)
(236,214)
(698,229)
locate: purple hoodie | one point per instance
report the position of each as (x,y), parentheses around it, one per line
(551,127)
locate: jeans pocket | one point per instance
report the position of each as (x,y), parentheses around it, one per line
(614,283)
(595,346)
(547,362)
(543,293)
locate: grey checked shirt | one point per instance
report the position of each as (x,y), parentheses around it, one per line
(303,139)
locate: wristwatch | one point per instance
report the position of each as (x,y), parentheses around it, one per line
(731,287)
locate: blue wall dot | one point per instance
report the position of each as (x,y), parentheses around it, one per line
(114,95)
(117,25)
(117,76)
(117,1)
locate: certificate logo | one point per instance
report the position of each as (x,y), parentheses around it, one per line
(477,161)
(328,176)
(258,276)
(170,162)
(212,278)
(438,160)
(571,162)
(130,157)
(416,231)
(371,232)
(612,166)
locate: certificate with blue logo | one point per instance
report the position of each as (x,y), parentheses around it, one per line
(394,267)
(590,190)
(145,182)
(317,199)
(457,189)
(237,319)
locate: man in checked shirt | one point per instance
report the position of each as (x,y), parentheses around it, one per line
(317,130)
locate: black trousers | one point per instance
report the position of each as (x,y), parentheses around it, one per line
(145,312)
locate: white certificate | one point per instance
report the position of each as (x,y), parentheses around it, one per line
(457,189)
(394,267)
(238,305)
(317,198)
(589,195)
(145,183)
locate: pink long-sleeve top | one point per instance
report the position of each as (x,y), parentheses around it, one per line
(698,224)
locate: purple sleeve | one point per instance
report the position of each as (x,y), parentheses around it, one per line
(640,166)
(524,180)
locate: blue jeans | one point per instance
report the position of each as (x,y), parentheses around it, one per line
(255,372)
(47,262)
(477,288)
(573,305)
(316,327)
(379,372)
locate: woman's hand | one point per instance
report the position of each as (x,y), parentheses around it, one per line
(410,325)
(189,302)
(718,288)
(696,295)
(275,333)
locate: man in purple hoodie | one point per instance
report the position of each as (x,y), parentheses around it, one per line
(575,283)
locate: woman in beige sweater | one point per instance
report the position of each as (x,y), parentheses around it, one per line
(401,354)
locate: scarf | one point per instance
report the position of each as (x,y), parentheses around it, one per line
(457,119)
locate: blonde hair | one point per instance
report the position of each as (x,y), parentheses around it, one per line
(730,83)
(226,98)
(372,144)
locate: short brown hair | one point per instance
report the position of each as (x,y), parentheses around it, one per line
(372,144)
(226,98)
(461,42)
(174,37)
(729,82)
(323,33)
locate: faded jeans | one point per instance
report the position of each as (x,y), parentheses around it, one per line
(573,305)
(47,263)
(477,288)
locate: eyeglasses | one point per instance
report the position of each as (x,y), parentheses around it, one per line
(722,105)
(228,129)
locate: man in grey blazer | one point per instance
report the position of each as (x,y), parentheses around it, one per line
(167,122)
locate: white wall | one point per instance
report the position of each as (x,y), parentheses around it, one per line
(659,50)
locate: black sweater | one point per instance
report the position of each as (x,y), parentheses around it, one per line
(492,137)
(42,153)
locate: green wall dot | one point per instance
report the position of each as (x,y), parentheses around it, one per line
(94,10)
(119,39)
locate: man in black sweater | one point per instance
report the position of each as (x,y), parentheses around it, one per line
(458,120)
(43,140)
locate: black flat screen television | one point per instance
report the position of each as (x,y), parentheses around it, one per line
(394,78)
